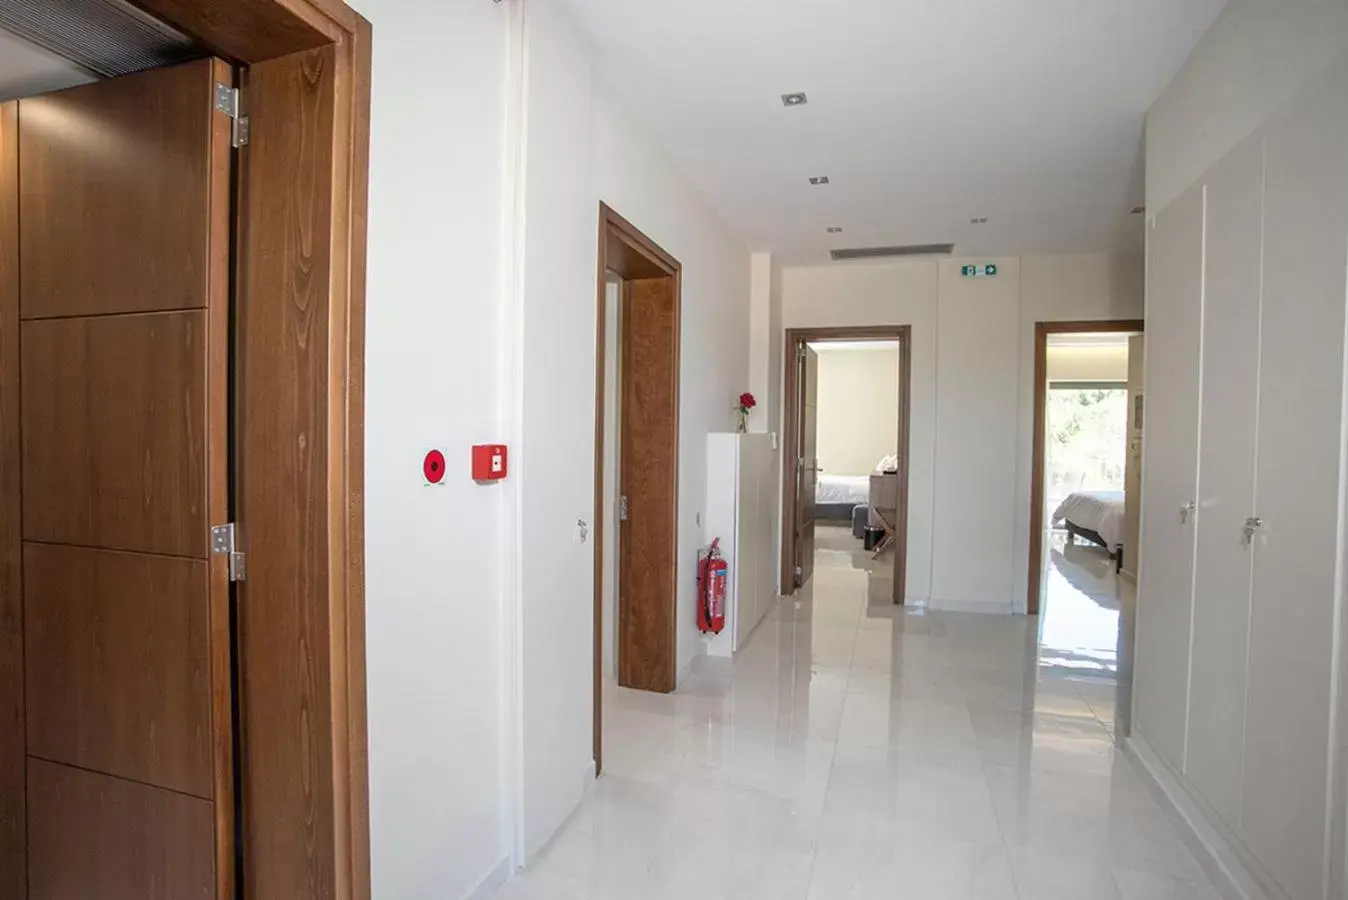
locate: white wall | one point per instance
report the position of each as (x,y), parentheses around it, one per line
(858,407)
(976,428)
(581,147)
(1069,287)
(765,372)
(1253,58)
(432,554)
(971,416)
(760,338)
(555,463)
(480,646)
(902,293)
(633,176)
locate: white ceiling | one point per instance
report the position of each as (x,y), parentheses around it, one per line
(924,113)
(27,69)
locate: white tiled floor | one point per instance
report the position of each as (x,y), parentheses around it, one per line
(861,752)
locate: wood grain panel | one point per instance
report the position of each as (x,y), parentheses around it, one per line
(807,464)
(246,30)
(220,648)
(905,454)
(93,835)
(286,630)
(118,664)
(13,881)
(114,431)
(348,499)
(647,637)
(126,158)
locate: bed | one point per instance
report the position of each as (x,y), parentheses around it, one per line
(836,495)
(1096,516)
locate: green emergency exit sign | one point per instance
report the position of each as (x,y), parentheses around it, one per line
(988,271)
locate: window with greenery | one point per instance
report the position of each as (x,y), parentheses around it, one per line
(1087,426)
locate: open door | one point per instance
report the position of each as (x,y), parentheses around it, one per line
(807,462)
(647,527)
(124,308)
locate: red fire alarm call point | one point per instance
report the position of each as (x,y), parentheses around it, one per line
(489,462)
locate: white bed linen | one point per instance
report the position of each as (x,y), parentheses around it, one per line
(853,489)
(1099,511)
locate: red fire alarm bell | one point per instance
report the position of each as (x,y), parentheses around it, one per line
(489,462)
(433,467)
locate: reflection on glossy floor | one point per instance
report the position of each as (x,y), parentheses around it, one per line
(861,752)
(1087,627)
(835,547)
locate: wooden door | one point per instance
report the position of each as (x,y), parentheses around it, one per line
(13,753)
(1291,683)
(124,293)
(1226,460)
(647,576)
(807,463)
(1170,476)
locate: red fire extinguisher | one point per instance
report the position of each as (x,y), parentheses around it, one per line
(712,573)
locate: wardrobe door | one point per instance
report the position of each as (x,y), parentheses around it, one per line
(1226,464)
(1169,476)
(1297,492)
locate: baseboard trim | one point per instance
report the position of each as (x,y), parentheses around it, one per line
(491,883)
(1215,852)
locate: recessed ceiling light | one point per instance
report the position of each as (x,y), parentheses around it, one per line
(817,180)
(834,229)
(799,99)
(979,220)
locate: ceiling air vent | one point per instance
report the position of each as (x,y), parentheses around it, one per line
(106,37)
(887,252)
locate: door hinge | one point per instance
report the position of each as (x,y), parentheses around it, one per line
(225,542)
(800,354)
(622,509)
(800,576)
(229,100)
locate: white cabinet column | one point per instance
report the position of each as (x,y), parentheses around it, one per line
(1169,474)
(1298,492)
(1226,462)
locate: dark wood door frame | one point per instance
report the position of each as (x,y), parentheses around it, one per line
(1042,330)
(625,251)
(300,219)
(797,337)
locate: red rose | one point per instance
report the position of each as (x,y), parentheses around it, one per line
(747,400)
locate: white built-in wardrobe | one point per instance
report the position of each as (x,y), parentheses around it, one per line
(1237,667)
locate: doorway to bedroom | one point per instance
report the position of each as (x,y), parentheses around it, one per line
(845,479)
(1084,495)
